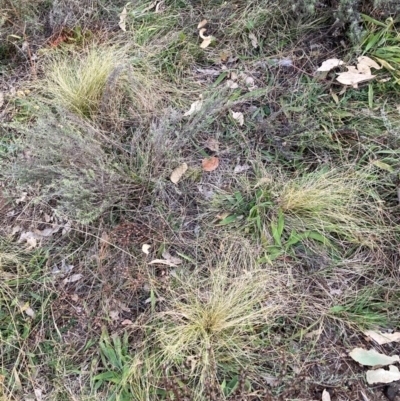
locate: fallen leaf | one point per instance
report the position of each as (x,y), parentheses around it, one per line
(30,312)
(314,333)
(122,19)
(372,357)
(195,107)
(222,215)
(330,64)
(38,394)
(202,24)
(383,376)
(231,84)
(176,261)
(206,39)
(250,83)
(240,169)
(383,338)
(353,78)
(22,198)
(177,174)
(326,396)
(365,64)
(212,144)
(162,262)
(32,242)
(254,41)
(75,297)
(1,99)
(126,322)
(210,163)
(233,76)
(73,278)
(239,117)
(114,315)
(16,229)
(145,248)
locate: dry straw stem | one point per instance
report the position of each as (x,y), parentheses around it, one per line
(208,321)
(341,201)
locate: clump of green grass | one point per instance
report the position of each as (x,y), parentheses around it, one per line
(339,201)
(211,323)
(77,82)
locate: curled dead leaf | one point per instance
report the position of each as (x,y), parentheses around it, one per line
(206,39)
(383,376)
(122,19)
(177,174)
(202,24)
(145,248)
(210,163)
(353,78)
(212,144)
(365,64)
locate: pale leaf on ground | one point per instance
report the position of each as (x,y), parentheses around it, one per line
(206,39)
(254,41)
(202,24)
(145,248)
(162,262)
(210,163)
(239,117)
(353,78)
(383,376)
(330,64)
(372,357)
(383,338)
(326,396)
(1,99)
(122,19)
(173,259)
(365,64)
(114,315)
(195,107)
(177,174)
(231,84)
(30,312)
(126,322)
(240,169)
(73,278)
(212,144)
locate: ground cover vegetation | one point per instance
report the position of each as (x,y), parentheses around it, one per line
(192,206)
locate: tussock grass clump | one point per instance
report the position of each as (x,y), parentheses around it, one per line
(341,201)
(77,82)
(210,324)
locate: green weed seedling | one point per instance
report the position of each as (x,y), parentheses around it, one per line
(282,246)
(116,362)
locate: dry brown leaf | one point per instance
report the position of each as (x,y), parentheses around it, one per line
(239,117)
(177,174)
(254,41)
(145,248)
(383,338)
(210,163)
(202,24)
(195,107)
(383,376)
(330,64)
(122,19)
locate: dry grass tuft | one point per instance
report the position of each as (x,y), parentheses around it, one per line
(208,322)
(341,201)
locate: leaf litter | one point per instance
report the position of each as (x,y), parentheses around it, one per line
(177,174)
(210,163)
